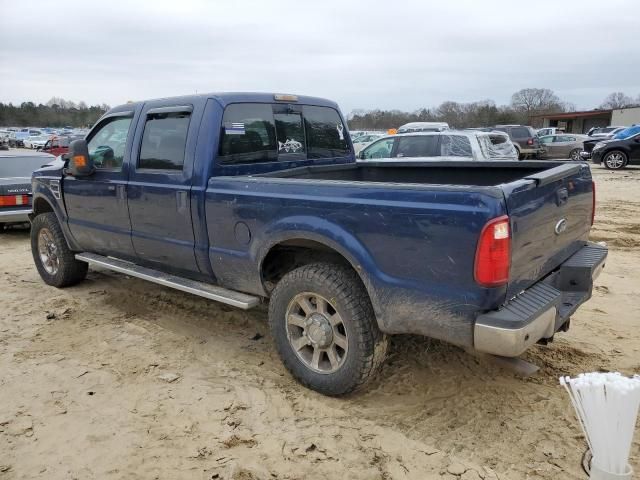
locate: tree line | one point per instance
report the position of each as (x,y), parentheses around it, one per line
(525,105)
(57,112)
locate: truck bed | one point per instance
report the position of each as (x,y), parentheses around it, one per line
(411,229)
(440,173)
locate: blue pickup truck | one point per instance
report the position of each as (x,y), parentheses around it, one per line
(242,197)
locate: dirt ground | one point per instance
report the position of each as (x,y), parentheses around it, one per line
(118,378)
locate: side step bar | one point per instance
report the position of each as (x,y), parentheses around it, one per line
(212,292)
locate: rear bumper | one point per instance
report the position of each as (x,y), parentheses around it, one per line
(532,151)
(542,309)
(15,216)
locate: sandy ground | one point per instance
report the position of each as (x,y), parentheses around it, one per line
(118,378)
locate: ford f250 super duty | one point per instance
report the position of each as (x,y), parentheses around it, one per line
(245,197)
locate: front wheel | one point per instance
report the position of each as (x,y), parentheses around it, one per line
(615,160)
(324,328)
(55,262)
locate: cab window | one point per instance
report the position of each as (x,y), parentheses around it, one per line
(164,140)
(326,134)
(107,144)
(290,133)
(248,134)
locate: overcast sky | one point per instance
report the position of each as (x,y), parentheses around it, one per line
(363,54)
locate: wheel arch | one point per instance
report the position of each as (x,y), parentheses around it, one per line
(288,251)
(41,205)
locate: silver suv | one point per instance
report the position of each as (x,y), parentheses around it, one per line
(447,145)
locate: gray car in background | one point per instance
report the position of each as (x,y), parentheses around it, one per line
(566,145)
(15,185)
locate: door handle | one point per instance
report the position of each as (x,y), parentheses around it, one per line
(562,196)
(181,201)
(121,193)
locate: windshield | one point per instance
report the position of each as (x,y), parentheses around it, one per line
(627,132)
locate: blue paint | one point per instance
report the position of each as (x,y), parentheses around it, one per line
(412,245)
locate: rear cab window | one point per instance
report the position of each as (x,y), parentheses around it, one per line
(265,132)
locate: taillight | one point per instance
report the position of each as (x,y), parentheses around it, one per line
(13,200)
(593,201)
(493,255)
(530,141)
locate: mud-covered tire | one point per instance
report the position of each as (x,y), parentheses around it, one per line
(69,271)
(346,295)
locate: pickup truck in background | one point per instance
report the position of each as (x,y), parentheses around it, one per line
(246,197)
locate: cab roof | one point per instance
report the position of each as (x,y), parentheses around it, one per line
(225,98)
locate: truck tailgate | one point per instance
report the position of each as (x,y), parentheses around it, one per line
(550,214)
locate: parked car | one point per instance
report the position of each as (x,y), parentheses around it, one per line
(199,193)
(524,139)
(35,142)
(563,146)
(16,139)
(4,139)
(542,132)
(604,132)
(15,186)
(58,145)
(363,140)
(447,145)
(620,151)
(423,127)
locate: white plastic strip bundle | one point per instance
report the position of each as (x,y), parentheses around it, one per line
(607,407)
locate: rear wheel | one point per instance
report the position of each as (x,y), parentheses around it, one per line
(55,262)
(575,154)
(324,328)
(615,160)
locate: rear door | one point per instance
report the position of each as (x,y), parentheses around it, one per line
(550,216)
(160,185)
(563,144)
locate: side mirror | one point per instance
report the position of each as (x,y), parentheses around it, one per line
(80,163)
(361,155)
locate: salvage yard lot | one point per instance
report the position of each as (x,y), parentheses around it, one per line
(118,378)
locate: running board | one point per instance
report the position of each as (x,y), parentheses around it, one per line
(212,292)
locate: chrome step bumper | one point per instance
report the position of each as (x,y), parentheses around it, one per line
(540,311)
(212,292)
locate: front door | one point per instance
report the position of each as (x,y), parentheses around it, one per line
(160,186)
(97,204)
